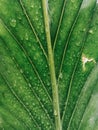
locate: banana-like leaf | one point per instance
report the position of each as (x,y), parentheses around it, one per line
(48,65)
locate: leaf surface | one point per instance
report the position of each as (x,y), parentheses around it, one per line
(35,76)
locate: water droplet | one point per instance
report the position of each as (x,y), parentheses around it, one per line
(8,72)
(33,104)
(36,18)
(21,70)
(33,48)
(60,76)
(26,36)
(36,12)
(41,16)
(27,103)
(17,74)
(48,83)
(35,58)
(19,17)
(77,43)
(29,85)
(27,72)
(30,77)
(55,113)
(91,31)
(32,6)
(13,22)
(15,83)
(84,30)
(39,7)
(72,1)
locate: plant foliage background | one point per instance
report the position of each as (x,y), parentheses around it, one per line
(26,99)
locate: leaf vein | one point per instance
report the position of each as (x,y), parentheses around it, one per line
(76,65)
(59,24)
(29,85)
(20,101)
(29,59)
(68,39)
(32,28)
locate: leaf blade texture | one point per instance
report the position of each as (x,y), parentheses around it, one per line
(26,87)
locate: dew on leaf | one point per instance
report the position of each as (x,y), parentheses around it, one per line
(19,16)
(84,30)
(15,83)
(8,72)
(86,4)
(29,85)
(36,12)
(21,70)
(55,113)
(91,31)
(27,72)
(26,37)
(32,6)
(33,48)
(27,103)
(30,77)
(13,22)
(43,38)
(29,44)
(39,7)
(92,121)
(48,83)
(72,1)
(33,104)
(60,76)
(77,44)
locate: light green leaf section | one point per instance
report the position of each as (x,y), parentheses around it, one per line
(48,65)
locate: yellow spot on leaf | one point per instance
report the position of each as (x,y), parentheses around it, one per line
(85,60)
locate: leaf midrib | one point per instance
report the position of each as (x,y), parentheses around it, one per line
(55,93)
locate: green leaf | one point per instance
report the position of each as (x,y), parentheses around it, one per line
(48,65)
